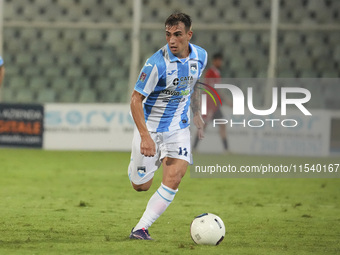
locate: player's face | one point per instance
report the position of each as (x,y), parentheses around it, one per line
(218,62)
(178,39)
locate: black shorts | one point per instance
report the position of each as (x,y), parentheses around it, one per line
(218,114)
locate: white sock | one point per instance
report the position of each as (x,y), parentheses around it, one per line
(157,204)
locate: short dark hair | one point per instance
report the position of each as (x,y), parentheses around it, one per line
(217,55)
(177,17)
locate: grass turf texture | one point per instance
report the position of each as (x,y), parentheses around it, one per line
(82,203)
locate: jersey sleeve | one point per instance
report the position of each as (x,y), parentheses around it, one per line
(148,78)
(1,61)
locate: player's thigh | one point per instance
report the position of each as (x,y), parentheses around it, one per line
(176,155)
(141,169)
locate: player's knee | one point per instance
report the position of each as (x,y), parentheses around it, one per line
(141,187)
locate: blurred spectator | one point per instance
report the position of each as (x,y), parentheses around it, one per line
(213,76)
(2,70)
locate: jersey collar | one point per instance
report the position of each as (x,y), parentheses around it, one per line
(173,58)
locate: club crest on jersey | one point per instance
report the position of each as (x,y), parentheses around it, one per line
(141,171)
(142,77)
(193,68)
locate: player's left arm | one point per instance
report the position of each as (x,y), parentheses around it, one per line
(196,109)
(196,102)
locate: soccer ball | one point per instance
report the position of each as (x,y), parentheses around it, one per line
(207,228)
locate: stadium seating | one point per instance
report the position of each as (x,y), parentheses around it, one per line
(16,82)
(87,96)
(60,85)
(109,97)
(92,64)
(68,96)
(8,95)
(38,83)
(103,85)
(46,96)
(25,95)
(332,92)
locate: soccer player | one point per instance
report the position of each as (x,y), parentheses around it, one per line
(213,76)
(160,108)
(2,70)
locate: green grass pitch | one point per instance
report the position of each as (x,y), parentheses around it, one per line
(55,202)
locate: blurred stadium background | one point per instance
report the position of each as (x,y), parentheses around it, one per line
(90,51)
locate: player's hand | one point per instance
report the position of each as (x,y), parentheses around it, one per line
(199,123)
(148,146)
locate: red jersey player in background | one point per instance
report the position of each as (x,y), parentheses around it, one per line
(213,76)
(2,70)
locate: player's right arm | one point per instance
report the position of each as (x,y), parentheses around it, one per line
(148,78)
(147,145)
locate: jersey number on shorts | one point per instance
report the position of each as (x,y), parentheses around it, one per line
(183,151)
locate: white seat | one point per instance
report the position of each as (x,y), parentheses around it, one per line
(38,83)
(24,96)
(60,84)
(46,96)
(87,96)
(93,36)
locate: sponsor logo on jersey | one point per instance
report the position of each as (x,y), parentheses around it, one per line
(171,72)
(183,81)
(174,100)
(176,93)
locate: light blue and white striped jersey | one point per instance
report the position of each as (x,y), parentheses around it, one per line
(1,61)
(167,82)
